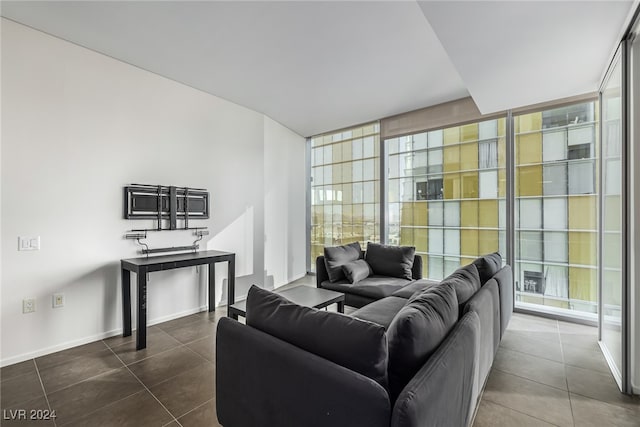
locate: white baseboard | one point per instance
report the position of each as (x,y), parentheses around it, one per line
(91,338)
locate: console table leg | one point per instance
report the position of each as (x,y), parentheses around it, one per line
(231,284)
(126,303)
(212,286)
(141,334)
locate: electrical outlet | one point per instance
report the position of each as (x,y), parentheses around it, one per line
(58,300)
(31,243)
(28,305)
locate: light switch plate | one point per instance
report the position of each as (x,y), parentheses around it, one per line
(29,243)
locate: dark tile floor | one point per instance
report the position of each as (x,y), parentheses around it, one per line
(545,373)
(109,383)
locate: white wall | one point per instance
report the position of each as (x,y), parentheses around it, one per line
(77,127)
(285,205)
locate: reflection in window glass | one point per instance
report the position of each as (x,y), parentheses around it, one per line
(555,222)
(344,195)
(440,196)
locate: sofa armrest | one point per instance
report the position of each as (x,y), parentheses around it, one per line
(264,381)
(442,392)
(416,270)
(321,271)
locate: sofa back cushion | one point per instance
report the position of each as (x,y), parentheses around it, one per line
(466,282)
(417,331)
(387,260)
(337,256)
(352,343)
(488,265)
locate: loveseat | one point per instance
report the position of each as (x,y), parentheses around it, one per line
(383,271)
(416,361)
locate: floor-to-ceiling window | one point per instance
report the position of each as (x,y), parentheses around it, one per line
(612,211)
(556,207)
(345,188)
(446,194)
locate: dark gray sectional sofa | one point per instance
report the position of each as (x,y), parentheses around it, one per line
(418,355)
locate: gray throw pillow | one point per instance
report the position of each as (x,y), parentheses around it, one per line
(488,266)
(392,261)
(337,256)
(356,344)
(417,331)
(356,271)
(466,282)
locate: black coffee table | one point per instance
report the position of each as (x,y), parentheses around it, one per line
(301,295)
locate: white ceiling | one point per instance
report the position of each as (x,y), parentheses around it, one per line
(319,66)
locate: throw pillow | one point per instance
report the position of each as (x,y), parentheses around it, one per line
(335,257)
(356,270)
(466,282)
(353,343)
(417,331)
(488,266)
(393,261)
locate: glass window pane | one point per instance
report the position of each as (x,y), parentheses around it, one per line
(436,211)
(436,267)
(451,265)
(317,156)
(554,145)
(555,247)
(435,138)
(357,171)
(452,214)
(392,164)
(434,161)
(436,240)
(488,129)
(530,213)
(327,153)
(368,146)
(556,280)
(327,171)
(356,148)
(530,245)
(581,135)
(488,154)
(555,213)
(555,179)
(393,187)
(420,141)
(367,171)
(392,145)
(581,177)
(488,184)
(368,192)
(452,241)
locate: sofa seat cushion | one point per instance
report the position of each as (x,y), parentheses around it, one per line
(417,331)
(393,261)
(375,287)
(488,266)
(466,282)
(337,256)
(382,311)
(349,342)
(419,285)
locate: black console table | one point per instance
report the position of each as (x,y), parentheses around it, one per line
(142,266)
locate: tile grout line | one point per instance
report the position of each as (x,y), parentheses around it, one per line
(147,389)
(46,398)
(197,407)
(528,379)
(566,378)
(523,413)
